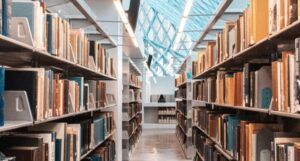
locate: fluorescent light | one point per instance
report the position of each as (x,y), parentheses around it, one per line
(124,19)
(187,9)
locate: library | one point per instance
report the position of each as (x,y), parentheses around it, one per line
(150,80)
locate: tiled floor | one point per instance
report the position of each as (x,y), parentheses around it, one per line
(158,145)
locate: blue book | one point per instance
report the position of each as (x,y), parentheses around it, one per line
(26,9)
(2,83)
(58,150)
(51,32)
(233,122)
(4,27)
(80,81)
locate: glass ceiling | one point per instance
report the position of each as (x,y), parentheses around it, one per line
(158,24)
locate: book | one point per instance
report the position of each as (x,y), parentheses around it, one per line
(60,141)
(2,83)
(23,153)
(22,141)
(52,34)
(35,16)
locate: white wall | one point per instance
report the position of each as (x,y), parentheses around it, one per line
(163,85)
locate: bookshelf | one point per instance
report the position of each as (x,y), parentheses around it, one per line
(183,99)
(132,107)
(160,115)
(82,13)
(95,117)
(226,124)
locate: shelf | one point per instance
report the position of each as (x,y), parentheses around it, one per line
(255,109)
(258,50)
(182,129)
(96,146)
(182,146)
(182,84)
(156,104)
(134,68)
(173,114)
(134,131)
(61,117)
(133,86)
(135,115)
(180,99)
(201,157)
(218,146)
(21,54)
(182,114)
(12,125)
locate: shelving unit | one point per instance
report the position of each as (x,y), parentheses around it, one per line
(260,51)
(16,54)
(160,115)
(132,107)
(183,98)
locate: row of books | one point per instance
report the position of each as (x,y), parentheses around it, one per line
(181,106)
(247,138)
(181,135)
(56,141)
(135,95)
(106,152)
(134,138)
(260,19)
(181,93)
(181,79)
(261,84)
(134,108)
(167,120)
(206,150)
(182,122)
(52,94)
(132,125)
(135,80)
(51,33)
(167,111)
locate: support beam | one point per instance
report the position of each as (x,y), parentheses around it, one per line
(79,23)
(210,25)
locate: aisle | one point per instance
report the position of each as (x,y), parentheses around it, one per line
(158,145)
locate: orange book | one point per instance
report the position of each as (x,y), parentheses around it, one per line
(259,20)
(274,86)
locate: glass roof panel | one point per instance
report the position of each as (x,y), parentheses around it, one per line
(159,21)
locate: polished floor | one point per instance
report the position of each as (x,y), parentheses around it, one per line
(158,145)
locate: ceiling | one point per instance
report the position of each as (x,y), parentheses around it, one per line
(158,24)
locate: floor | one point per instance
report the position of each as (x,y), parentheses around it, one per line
(158,145)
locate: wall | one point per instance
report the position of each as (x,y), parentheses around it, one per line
(163,85)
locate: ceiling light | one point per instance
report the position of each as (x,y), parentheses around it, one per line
(187,9)
(124,19)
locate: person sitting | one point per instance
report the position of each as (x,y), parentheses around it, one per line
(161,98)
